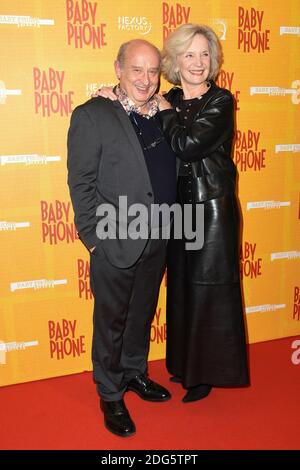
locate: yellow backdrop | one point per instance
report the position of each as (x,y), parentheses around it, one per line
(54,54)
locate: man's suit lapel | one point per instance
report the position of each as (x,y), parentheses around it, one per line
(130,132)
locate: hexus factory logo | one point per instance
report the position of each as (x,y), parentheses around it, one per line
(136,24)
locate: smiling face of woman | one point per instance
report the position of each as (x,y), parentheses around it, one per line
(194,64)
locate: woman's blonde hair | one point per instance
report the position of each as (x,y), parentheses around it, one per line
(178,42)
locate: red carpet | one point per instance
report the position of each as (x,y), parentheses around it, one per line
(63,413)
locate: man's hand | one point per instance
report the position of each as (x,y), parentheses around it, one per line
(162,103)
(105,92)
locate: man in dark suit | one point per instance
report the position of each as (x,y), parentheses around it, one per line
(116,148)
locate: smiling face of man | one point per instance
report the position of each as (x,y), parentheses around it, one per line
(139,72)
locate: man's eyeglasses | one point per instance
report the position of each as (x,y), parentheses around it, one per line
(148,146)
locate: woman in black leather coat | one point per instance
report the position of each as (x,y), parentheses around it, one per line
(206,344)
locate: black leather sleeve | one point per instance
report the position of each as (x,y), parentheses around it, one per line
(210,129)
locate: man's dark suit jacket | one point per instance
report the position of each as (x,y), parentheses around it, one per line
(105,161)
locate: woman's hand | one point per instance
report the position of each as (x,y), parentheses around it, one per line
(105,92)
(162,103)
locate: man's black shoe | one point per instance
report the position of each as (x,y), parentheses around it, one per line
(116,418)
(147,389)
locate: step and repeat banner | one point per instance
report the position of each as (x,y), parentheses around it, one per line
(54,54)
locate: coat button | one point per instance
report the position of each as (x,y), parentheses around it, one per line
(149,194)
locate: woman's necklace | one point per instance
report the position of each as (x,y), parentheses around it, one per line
(208,84)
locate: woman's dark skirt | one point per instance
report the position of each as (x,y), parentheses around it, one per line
(205,324)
